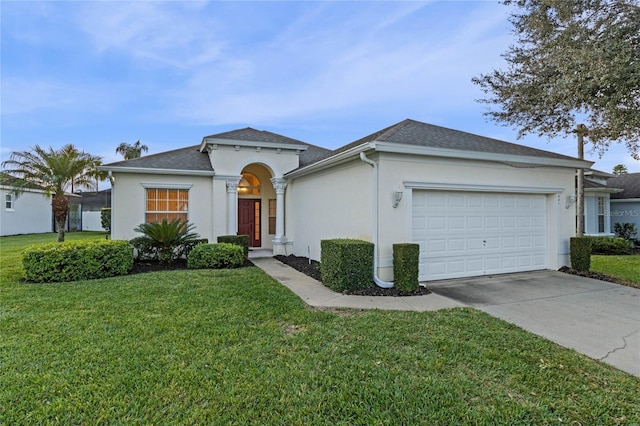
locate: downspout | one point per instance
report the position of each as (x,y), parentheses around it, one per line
(374,234)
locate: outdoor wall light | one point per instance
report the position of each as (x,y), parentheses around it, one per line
(397,196)
(570,200)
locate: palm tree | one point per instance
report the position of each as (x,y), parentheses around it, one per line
(56,172)
(129,151)
(620,169)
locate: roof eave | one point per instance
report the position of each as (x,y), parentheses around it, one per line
(481,156)
(252,144)
(626,200)
(149,171)
(341,157)
(604,190)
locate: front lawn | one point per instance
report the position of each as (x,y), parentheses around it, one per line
(236,347)
(623,267)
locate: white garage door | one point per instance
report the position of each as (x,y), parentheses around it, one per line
(463,234)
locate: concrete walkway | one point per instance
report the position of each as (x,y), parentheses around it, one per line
(315,294)
(598,319)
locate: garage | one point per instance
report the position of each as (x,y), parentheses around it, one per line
(463,234)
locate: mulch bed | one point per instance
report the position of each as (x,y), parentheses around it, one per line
(598,276)
(143,266)
(312,269)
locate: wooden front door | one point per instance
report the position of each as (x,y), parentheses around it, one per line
(249,220)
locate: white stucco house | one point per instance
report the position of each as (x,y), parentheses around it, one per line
(27,212)
(475,205)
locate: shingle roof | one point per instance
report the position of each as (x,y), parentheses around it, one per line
(253,135)
(311,155)
(589,184)
(407,132)
(416,133)
(189,158)
(12,181)
(629,183)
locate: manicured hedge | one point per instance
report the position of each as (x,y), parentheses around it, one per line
(406,259)
(609,246)
(580,253)
(241,240)
(216,256)
(77,260)
(346,264)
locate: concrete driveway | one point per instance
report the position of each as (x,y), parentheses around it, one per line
(598,319)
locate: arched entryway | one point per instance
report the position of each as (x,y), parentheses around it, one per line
(257,206)
(250,208)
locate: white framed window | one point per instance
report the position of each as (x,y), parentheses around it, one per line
(166,203)
(272,216)
(601,213)
(9,201)
(249,184)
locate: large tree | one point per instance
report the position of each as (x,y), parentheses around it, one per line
(56,171)
(575,68)
(130,151)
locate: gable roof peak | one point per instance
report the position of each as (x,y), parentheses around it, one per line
(249,134)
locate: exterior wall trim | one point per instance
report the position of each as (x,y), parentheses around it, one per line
(263,145)
(625,200)
(150,171)
(516,160)
(438,186)
(166,185)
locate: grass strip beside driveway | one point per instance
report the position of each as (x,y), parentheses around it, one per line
(623,267)
(218,347)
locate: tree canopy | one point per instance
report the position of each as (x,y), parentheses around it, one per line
(575,67)
(130,151)
(55,171)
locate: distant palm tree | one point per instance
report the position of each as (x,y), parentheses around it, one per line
(56,172)
(129,151)
(620,169)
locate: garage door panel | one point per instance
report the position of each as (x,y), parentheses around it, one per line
(457,245)
(466,234)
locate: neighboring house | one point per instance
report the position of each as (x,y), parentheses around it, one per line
(92,204)
(475,205)
(625,204)
(597,195)
(27,212)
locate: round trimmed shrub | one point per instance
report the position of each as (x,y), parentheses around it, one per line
(216,256)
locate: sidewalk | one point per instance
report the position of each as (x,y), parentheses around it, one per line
(315,294)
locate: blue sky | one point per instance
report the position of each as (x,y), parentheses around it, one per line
(95,74)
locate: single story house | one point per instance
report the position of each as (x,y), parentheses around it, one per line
(475,205)
(27,212)
(597,196)
(625,203)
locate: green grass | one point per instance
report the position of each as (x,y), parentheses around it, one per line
(623,267)
(236,347)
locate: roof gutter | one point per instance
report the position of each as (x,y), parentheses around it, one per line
(148,171)
(374,234)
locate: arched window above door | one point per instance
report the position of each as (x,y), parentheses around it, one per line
(249,184)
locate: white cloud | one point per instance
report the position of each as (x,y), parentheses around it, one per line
(158,33)
(354,64)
